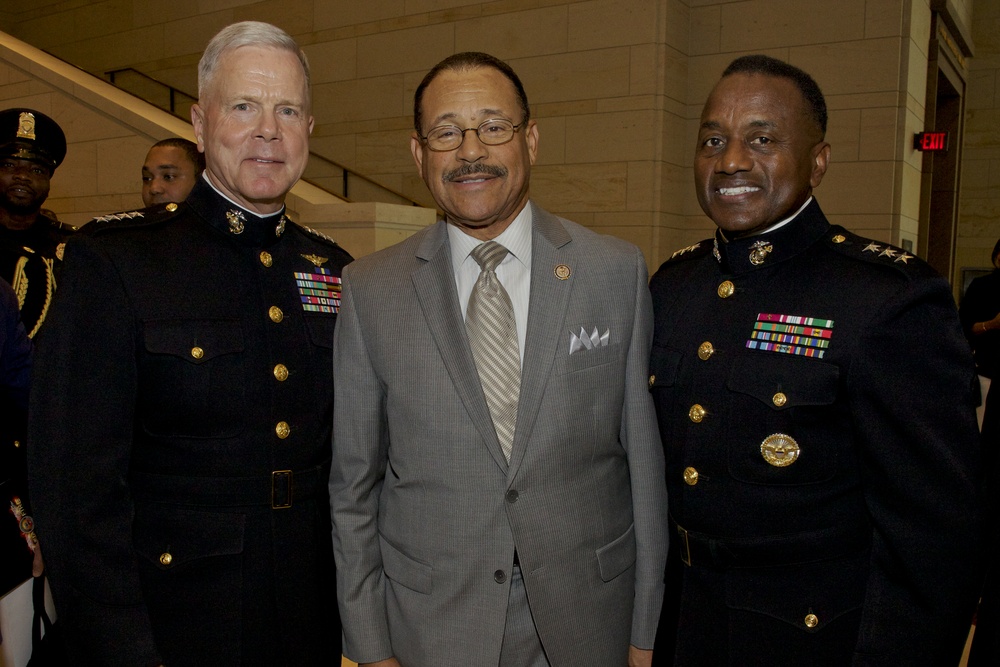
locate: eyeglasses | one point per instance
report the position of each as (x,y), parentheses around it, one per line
(491,132)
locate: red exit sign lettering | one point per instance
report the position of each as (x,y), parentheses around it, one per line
(930,141)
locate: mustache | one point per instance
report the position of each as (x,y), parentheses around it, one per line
(475,170)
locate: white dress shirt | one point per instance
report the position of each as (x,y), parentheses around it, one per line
(514,271)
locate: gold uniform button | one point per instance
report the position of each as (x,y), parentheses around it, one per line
(197,352)
(166,558)
(811,620)
(281,372)
(282,429)
(779,399)
(265,258)
(275,314)
(705,350)
(17,443)
(726,289)
(690,476)
(839,238)
(652,381)
(171,207)
(696,413)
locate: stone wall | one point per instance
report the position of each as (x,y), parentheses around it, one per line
(616,86)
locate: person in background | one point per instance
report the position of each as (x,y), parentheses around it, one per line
(814,392)
(171,169)
(32,146)
(980,315)
(180,453)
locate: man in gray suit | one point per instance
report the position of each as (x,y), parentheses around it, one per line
(497,487)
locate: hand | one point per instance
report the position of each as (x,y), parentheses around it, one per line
(37,564)
(388,662)
(638,657)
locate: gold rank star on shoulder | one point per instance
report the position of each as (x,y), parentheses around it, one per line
(895,254)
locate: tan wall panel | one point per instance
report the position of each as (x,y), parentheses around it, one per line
(580,188)
(515,34)
(878,134)
(589,75)
(764,24)
(339,14)
(405,50)
(602,23)
(883,18)
(858,187)
(610,137)
(332,61)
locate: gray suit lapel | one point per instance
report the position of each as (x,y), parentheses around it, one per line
(550,247)
(434,283)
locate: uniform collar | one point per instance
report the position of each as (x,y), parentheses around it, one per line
(777,244)
(245,227)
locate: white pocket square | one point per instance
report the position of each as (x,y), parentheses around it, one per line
(585,341)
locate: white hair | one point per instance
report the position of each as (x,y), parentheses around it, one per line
(246,33)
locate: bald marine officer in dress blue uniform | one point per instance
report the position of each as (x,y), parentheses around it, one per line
(180,454)
(814,396)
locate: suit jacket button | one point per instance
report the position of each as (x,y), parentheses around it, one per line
(499,576)
(512,496)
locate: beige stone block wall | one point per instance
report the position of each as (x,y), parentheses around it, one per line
(979,221)
(616,87)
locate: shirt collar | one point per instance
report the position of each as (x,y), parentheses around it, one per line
(516,238)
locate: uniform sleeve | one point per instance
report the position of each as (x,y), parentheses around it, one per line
(910,387)
(80,441)
(15,352)
(360,451)
(641,440)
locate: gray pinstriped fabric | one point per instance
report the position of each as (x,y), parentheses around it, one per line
(493,338)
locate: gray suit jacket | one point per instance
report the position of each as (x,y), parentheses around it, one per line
(427,512)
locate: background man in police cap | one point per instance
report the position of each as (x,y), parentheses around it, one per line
(32,145)
(180,453)
(814,395)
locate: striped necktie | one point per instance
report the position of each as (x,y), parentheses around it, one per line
(489,322)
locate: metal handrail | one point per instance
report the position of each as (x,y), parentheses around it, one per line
(180,102)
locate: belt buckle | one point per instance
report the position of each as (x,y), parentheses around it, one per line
(281,489)
(686,547)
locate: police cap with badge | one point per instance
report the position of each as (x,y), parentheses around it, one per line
(26,134)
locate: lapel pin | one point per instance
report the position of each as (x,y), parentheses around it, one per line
(562,272)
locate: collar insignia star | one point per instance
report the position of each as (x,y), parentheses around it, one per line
(888,252)
(317,260)
(236,220)
(872,247)
(902,258)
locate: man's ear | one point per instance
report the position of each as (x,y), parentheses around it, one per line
(820,161)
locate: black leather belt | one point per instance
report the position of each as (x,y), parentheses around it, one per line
(700,550)
(277,490)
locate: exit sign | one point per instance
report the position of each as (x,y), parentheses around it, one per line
(930,141)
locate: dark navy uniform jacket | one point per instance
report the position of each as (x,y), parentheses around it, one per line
(180,453)
(30,260)
(813,390)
